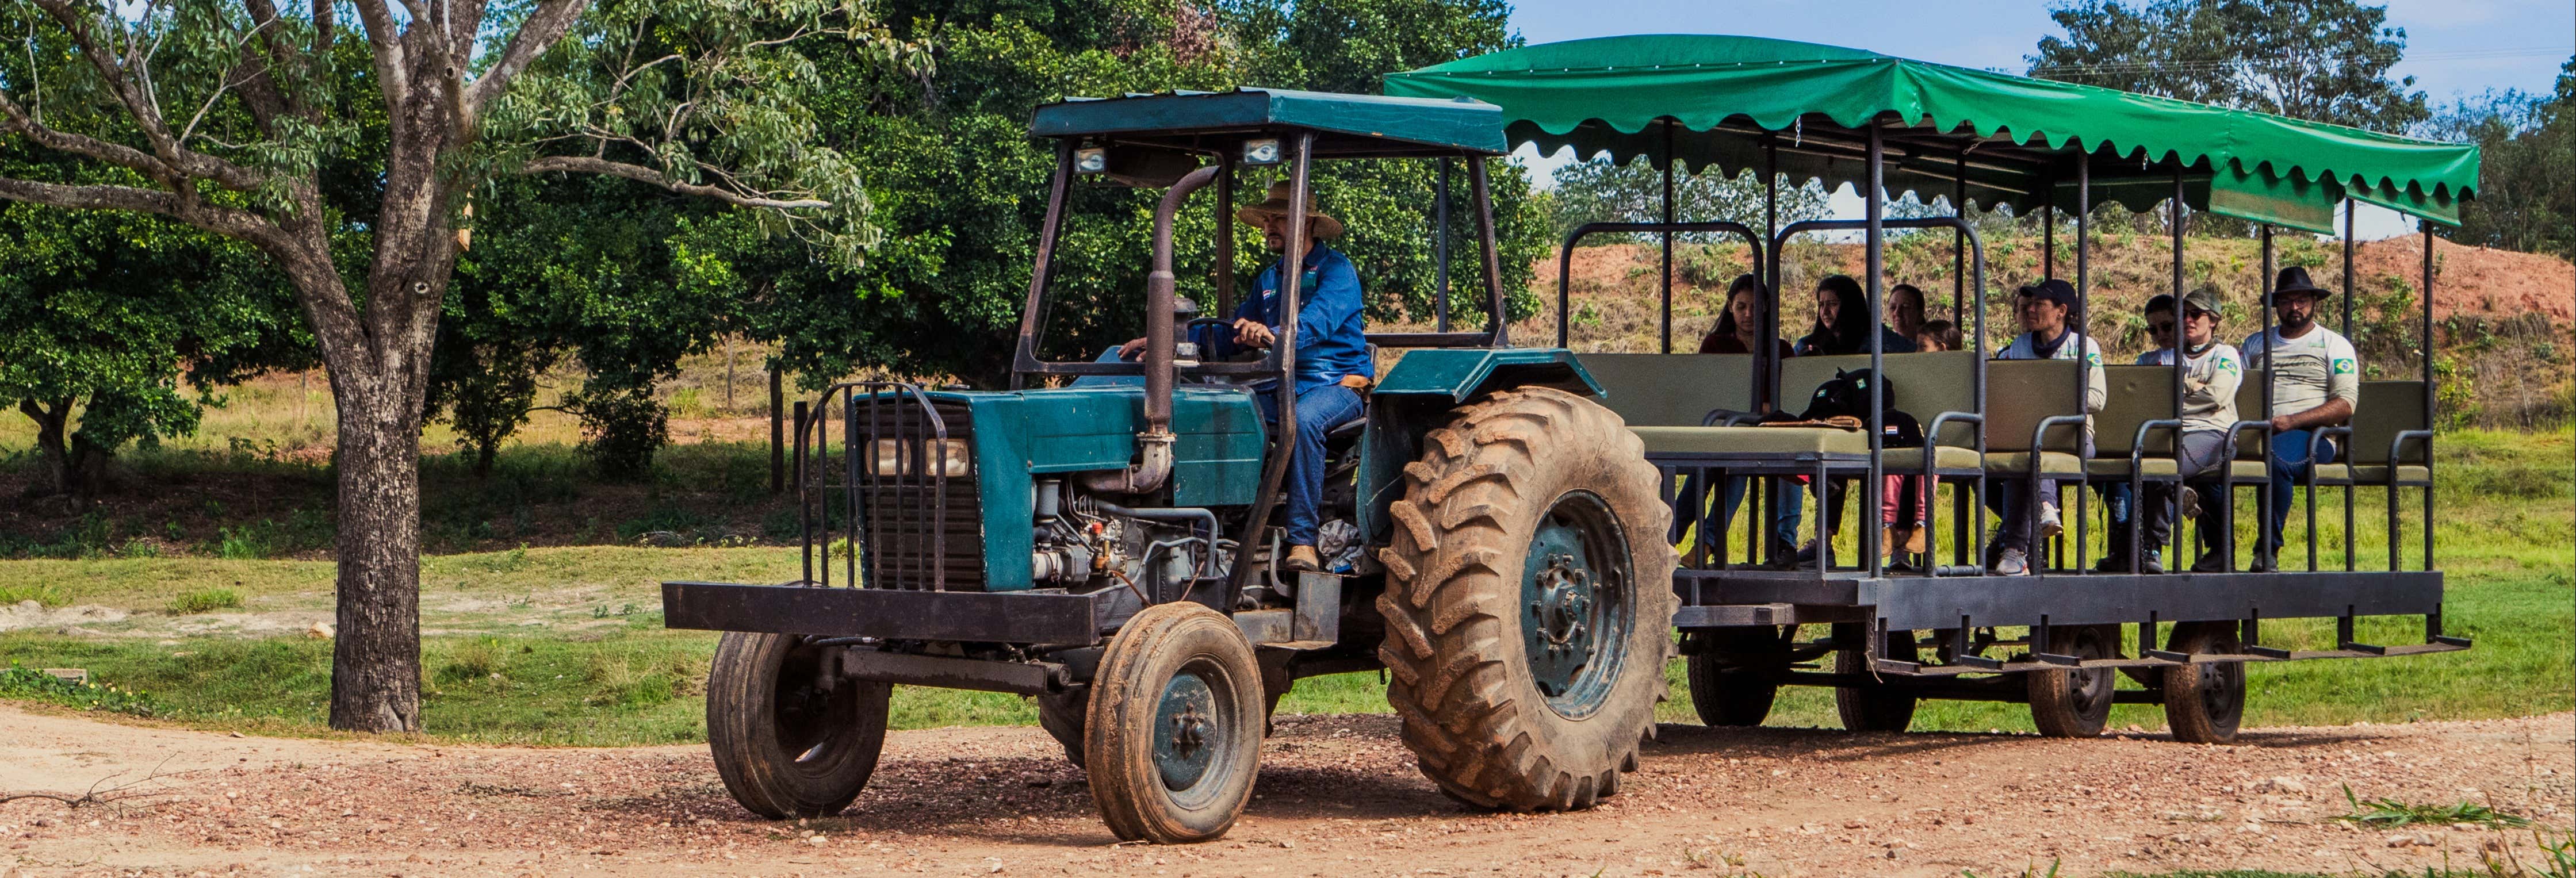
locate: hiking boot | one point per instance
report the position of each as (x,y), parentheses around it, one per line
(1303,558)
(2210,562)
(2014,562)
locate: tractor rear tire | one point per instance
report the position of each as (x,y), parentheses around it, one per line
(1173,737)
(2075,703)
(2204,703)
(787,742)
(1879,706)
(1729,690)
(1061,715)
(1528,602)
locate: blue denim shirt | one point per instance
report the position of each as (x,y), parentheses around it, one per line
(1332,339)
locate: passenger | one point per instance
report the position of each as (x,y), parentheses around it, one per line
(1938,335)
(2042,308)
(1332,349)
(1842,323)
(2316,381)
(1739,327)
(1904,504)
(1905,311)
(2211,373)
(1738,331)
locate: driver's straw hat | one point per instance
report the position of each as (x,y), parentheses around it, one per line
(1277,205)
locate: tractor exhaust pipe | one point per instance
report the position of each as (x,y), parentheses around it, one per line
(1154,460)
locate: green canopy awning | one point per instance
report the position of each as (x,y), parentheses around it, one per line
(1347,125)
(1724,100)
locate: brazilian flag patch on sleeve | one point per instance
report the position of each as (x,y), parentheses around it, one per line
(2343,366)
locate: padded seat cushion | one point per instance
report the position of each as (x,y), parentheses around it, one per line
(1752,440)
(2165,468)
(2017,463)
(2366,474)
(1948,457)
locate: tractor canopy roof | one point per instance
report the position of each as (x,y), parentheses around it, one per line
(1345,125)
(1724,100)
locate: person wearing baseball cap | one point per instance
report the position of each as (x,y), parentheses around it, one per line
(2316,382)
(2211,372)
(2043,308)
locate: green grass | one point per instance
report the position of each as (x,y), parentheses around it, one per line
(575,638)
(2386,813)
(205,600)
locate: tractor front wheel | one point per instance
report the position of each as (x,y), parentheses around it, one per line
(791,737)
(1173,736)
(1528,602)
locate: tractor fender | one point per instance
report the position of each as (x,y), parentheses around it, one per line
(1461,374)
(1416,397)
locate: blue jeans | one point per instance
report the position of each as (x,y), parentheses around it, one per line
(2289,464)
(1319,410)
(2010,500)
(1787,501)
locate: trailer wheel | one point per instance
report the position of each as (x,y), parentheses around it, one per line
(1528,602)
(790,740)
(1173,736)
(1879,706)
(2074,703)
(2205,702)
(1061,716)
(1728,689)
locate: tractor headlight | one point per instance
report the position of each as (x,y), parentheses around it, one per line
(1261,152)
(891,458)
(1091,160)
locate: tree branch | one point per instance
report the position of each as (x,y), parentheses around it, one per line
(542,28)
(387,40)
(639,173)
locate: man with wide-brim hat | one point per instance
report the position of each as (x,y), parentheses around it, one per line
(2315,382)
(1332,353)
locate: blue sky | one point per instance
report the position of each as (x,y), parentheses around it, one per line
(2454,47)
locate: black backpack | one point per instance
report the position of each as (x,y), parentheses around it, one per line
(1847,394)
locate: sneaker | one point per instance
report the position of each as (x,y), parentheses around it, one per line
(2190,502)
(2014,563)
(2049,526)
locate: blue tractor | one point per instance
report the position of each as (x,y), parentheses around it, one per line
(1103,535)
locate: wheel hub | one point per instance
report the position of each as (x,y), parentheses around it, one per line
(1572,598)
(1186,734)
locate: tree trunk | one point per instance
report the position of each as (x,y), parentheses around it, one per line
(52,421)
(375,660)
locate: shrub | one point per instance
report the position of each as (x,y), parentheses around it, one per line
(472,660)
(205,600)
(36,685)
(48,595)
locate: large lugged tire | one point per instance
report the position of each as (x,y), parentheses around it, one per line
(2204,703)
(1173,737)
(787,743)
(1528,602)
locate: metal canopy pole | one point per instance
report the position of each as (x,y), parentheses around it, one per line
(2264,537)
(2083,300)
(1667,274)
(1283,352)
(2429,398)
(2351,217)
(1766,362)
(1440,247)
(1871,490)
(1959,241)
(2182,352)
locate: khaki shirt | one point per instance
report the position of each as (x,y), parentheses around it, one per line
(2209,383)
(2310,369)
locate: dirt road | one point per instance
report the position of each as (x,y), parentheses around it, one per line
(1337,796)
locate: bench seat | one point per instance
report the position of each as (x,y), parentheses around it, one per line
(2165,468)
(2372,474)
(1752,440)
(2056,464)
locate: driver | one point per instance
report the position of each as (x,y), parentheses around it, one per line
(1332,354)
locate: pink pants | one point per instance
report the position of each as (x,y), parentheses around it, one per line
(1893,498)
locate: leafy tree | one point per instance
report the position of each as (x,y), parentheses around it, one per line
(246,121)
(1599,191)
(2527,164)
(2321,60)
(104,312)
